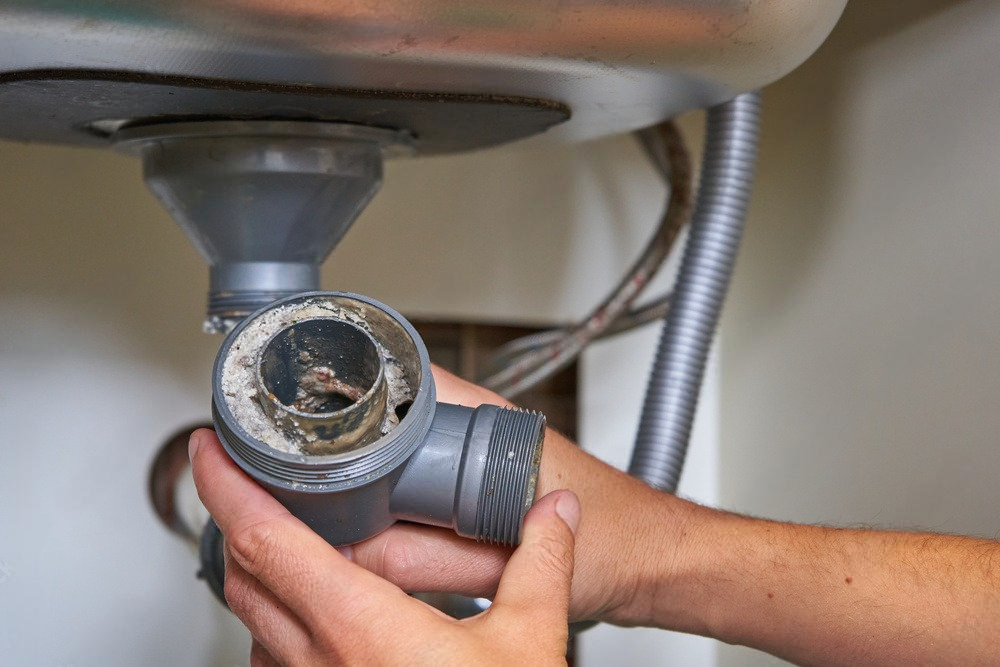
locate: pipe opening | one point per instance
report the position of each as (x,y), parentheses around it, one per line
(322,382)
(402,409)
(319,374)
(320,366)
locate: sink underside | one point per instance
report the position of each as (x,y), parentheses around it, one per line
(456,74)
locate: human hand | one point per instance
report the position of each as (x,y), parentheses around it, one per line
(626,547)
(306,604)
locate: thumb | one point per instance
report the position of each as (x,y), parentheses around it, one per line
(535,585)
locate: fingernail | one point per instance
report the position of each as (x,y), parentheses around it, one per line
(568,509)
(347,552)
(194,444)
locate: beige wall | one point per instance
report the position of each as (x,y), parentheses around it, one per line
(100,360)
(861,349)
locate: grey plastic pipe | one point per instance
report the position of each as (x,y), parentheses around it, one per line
(731,140)
(327,400)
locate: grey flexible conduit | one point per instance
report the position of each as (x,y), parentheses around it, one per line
(716,228)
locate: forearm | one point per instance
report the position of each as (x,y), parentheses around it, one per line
(811,595)
(826,596)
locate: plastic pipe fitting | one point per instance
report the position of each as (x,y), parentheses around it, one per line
(327,400)
(263,201)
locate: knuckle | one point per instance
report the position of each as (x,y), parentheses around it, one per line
(554,555)
(255,547)
(398,562)
(239,595)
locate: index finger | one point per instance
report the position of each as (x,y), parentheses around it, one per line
(304,572)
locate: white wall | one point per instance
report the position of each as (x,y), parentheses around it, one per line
(101,358)
(861,349)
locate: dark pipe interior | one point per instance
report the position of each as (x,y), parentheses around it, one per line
(320,365)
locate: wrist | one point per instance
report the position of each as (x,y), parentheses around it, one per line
(639,552)
(722,568)
(672,566)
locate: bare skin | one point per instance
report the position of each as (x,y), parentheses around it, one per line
(811,595)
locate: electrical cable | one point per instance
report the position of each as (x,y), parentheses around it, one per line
(653,311)
(523,363)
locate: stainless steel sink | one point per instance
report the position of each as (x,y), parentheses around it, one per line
(458,74)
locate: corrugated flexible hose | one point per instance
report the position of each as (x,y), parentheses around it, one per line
(731,139)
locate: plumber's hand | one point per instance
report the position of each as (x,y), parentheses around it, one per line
(306,604)
(625,549)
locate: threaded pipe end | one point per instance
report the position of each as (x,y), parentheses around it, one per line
(226,309)
(510,476)
(239,288)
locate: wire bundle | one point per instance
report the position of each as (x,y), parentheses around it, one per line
(524,362)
